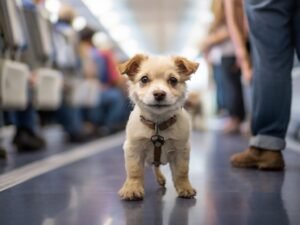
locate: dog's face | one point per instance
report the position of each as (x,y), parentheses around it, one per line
(157,84)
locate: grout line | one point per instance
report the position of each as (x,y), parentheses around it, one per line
(32,170)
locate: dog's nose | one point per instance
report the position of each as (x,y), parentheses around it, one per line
(159,95)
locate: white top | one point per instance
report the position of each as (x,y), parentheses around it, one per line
(225,48)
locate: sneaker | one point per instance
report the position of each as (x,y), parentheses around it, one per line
(232,126)
(262,159)
(78,138)
(27,140)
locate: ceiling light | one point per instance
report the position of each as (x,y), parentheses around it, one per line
(53,6)
(79,23)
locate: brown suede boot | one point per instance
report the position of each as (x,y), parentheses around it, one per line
(262,159)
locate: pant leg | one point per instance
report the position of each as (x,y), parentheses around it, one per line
(70,118)
(235,100)
(26,119)
(296,22)
(220,87)
(113,107)
(272,47)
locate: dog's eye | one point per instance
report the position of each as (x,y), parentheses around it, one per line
(173,81)
(145,79)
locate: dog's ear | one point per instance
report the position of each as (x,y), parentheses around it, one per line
(185,66)
(131,67)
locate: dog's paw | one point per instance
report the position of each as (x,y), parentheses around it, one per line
(186,191)
(131,191)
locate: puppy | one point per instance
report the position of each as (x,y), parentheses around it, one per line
(158,129)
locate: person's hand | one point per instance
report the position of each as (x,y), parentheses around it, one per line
(206,45)
(247,73)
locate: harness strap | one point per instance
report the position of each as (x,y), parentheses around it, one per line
(158,140)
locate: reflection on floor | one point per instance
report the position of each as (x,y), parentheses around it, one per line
(85,192)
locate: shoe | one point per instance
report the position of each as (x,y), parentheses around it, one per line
(232,126)
(78,138)
(262,159)
(3,153)
(27,140)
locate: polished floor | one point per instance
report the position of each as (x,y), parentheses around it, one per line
(85,192)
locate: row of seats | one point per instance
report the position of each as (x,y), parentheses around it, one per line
(41,70)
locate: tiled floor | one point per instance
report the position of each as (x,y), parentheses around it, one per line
(85,192)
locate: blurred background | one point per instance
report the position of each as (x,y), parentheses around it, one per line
(62,99)
(59,62)
(59,65)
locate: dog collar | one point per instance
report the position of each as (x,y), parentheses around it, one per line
(161,126)
(158,140)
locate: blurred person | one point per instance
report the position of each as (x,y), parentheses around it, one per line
(68,115)
(215,46)
(275,35)
(238,31)
(220,46)
(26,137)
(112,110)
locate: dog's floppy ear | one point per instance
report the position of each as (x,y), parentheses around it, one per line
(185,66)
(131,67)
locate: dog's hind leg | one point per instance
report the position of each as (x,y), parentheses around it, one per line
(160,178)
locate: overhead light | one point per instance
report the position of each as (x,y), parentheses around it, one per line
(53,18)
(100,39)
(79,23)
(53,6)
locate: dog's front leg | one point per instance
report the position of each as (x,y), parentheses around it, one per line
(180,172)
(133,188)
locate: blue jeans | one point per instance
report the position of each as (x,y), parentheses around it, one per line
(113,109)
(70,118)
(234,96)
(220,87)
(26,118)
(275,35)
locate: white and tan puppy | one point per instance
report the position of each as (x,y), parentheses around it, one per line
(157,88)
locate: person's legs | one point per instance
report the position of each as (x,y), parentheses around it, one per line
(235,99)
(70,117)
(296,22)
(113,107)
(233,76)
(270,29)
(26,137)
(220,87)
(272,47)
